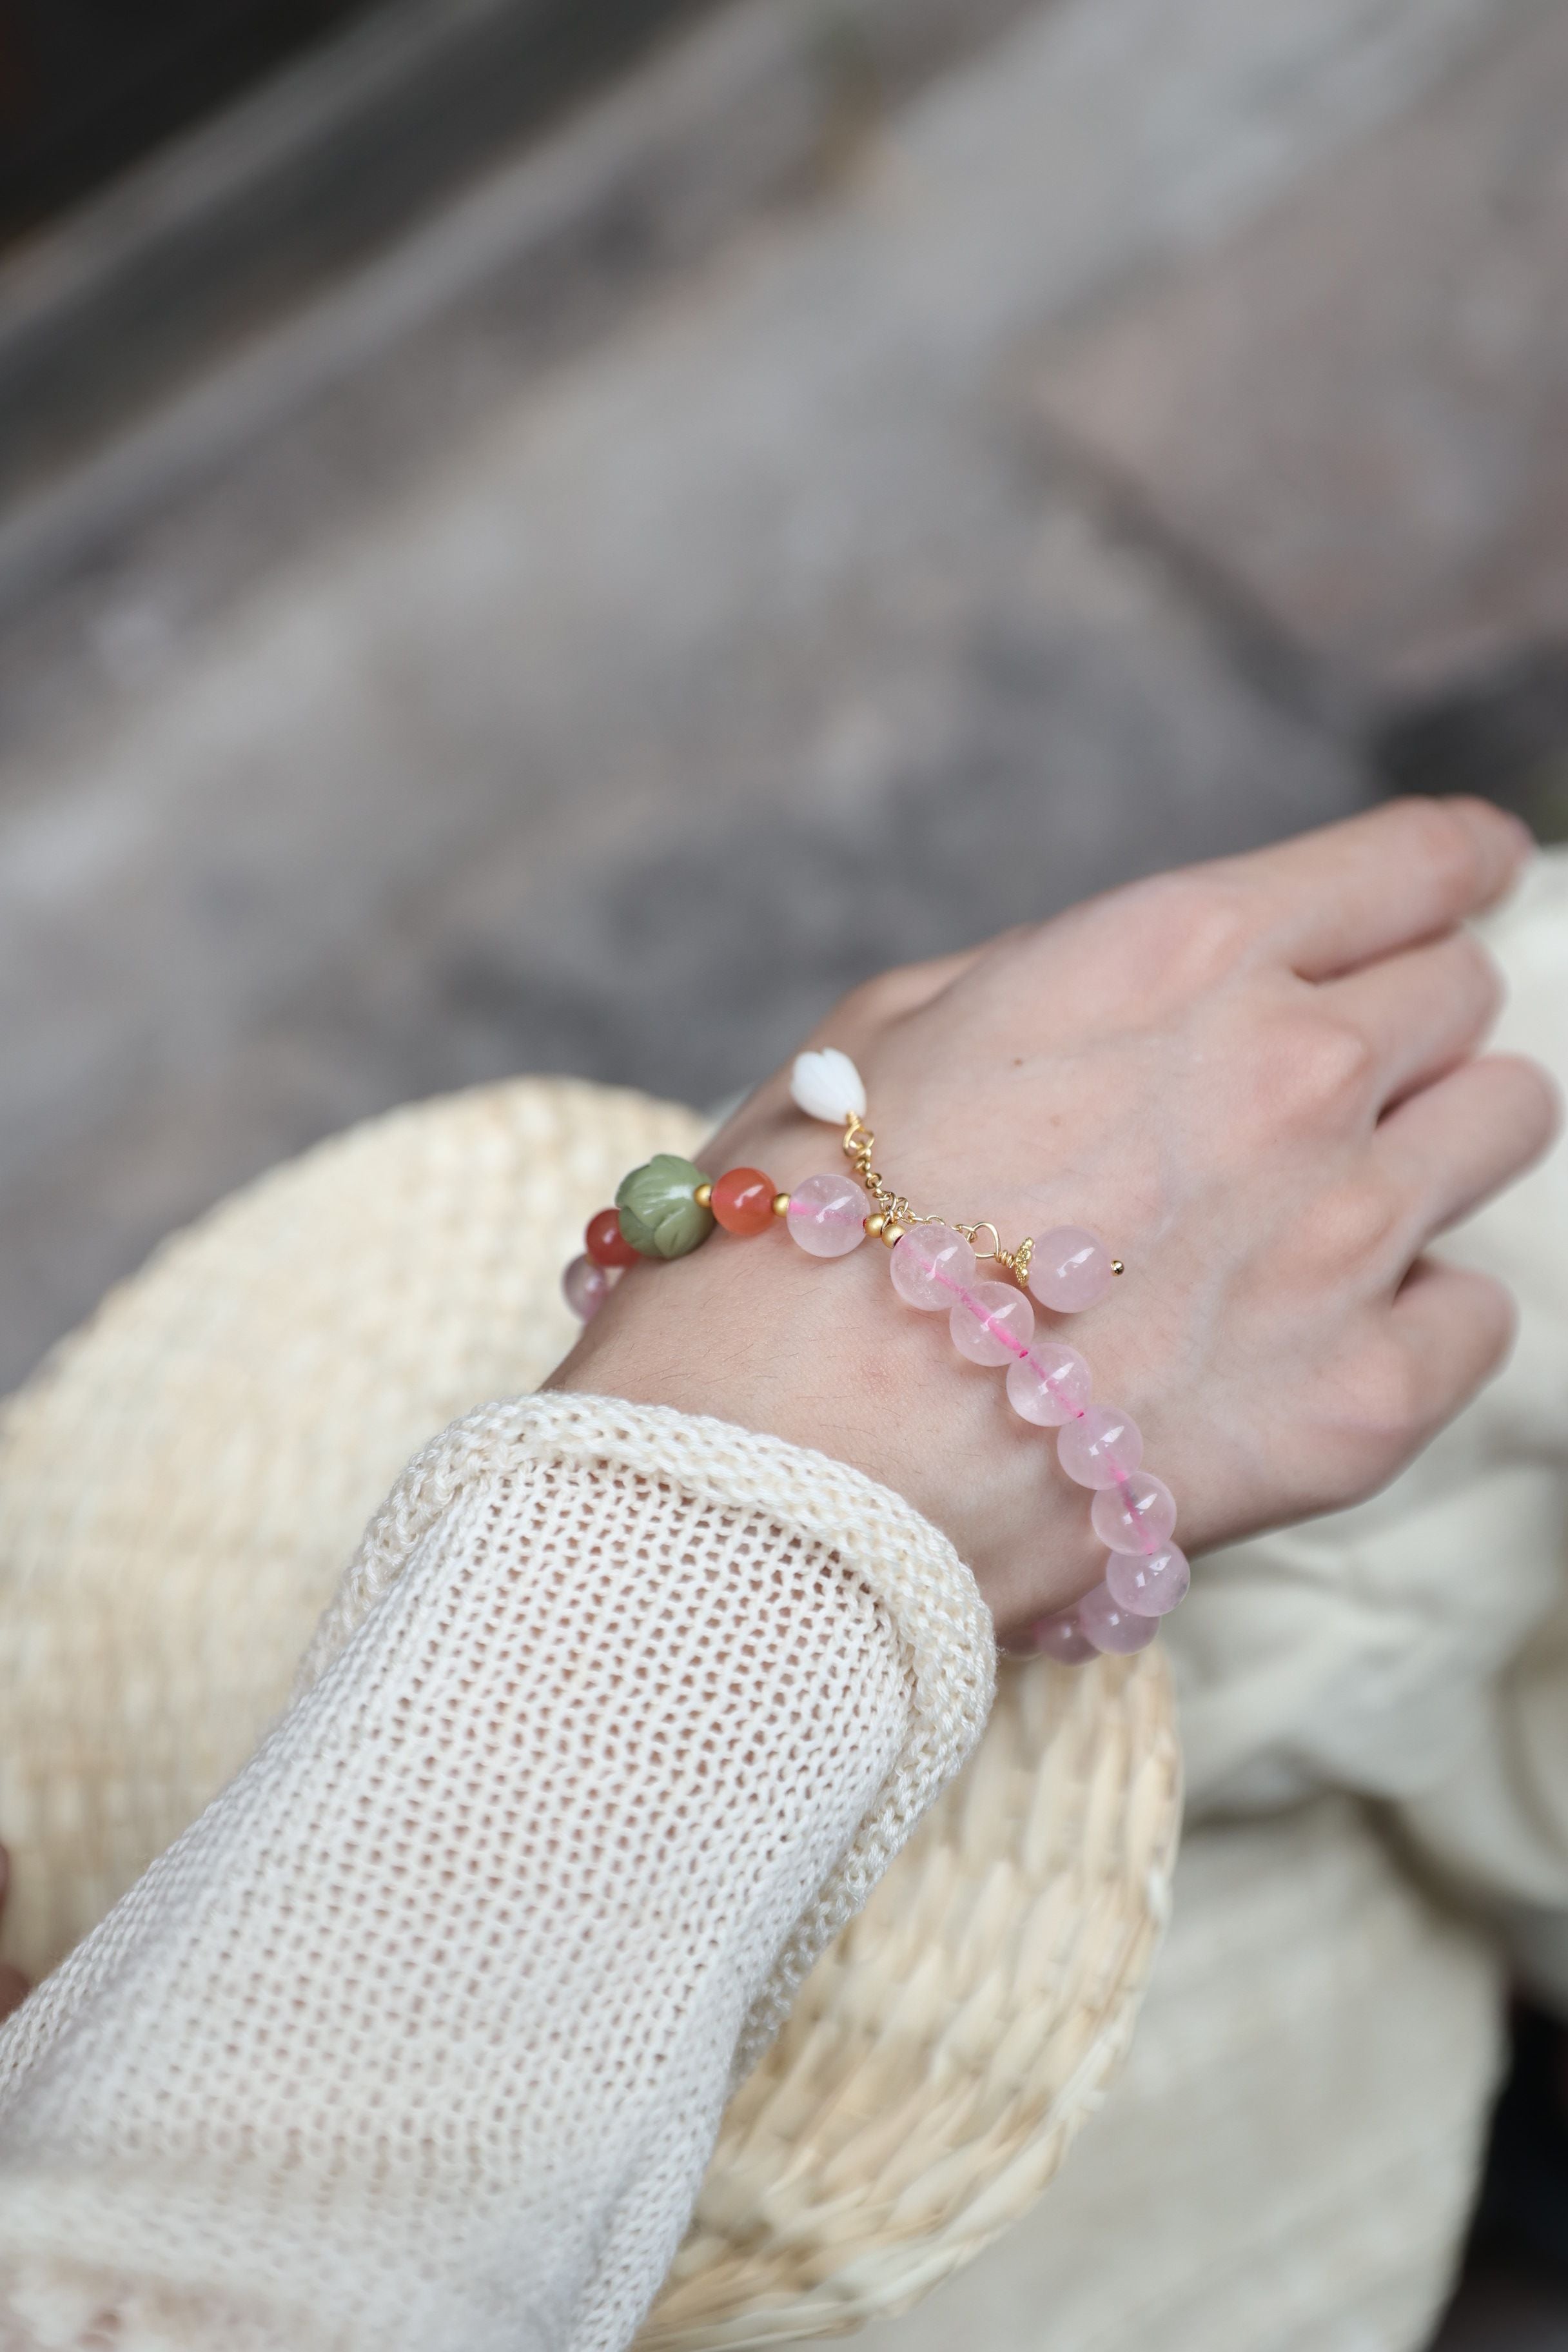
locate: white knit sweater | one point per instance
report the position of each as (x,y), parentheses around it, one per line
(420,2036)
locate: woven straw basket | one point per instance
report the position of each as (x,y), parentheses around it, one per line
(180,1488)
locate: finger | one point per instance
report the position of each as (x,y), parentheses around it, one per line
(1453,1145)
(1421,1011)
(1453,1328)
(1407,872)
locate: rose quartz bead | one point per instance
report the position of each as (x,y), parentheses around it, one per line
(993,1323)
(585,1286)
(1060,1637)
(1049,1385)
(1136,1515)
(929,1264)
(1070,1270)
(1110,1626)
(1150,1583)
(828,1215)
(1103,1444)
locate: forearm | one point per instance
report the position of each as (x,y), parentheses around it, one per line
(423,2032)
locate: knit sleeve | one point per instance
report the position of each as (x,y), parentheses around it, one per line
(420,2036)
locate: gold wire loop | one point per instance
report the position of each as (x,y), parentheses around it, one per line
(893,1214)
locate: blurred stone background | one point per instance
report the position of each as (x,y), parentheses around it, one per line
(554,538)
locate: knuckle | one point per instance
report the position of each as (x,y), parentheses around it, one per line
(1191,928)
(1354,1225)
(1314,1067)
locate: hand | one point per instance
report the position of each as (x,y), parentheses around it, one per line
(1258,1080)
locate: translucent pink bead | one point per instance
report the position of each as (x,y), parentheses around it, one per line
(1070,1270)
(585,1286)
(929,1264)
(1104,1443)
(1136,1515)
(1111,1626)
(1060,1637)
(1150,1583)
(828,1215)
(993,1323)
(1049,1385)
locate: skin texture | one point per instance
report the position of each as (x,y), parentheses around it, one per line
(1260,1080)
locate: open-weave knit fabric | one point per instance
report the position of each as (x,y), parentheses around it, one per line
(421,2035)
(942,1626)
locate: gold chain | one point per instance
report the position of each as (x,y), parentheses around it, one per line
(894,1213)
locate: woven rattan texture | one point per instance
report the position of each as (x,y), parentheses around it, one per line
(947,2047)
(180,1488)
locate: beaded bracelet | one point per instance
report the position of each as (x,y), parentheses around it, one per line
(668,1207)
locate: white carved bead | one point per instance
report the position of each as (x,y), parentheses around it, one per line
(826,1085)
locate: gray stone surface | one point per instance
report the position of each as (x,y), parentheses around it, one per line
(1019,716)
(254,271)
(755,645)
(1357,408)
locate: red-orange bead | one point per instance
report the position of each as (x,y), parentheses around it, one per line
(605,1242)
(744,1200)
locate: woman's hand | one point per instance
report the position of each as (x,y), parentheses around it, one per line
(1258,1080)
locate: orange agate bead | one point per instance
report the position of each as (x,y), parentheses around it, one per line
(742,1201)
(605,1242)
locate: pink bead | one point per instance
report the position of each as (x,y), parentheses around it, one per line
(1070,1270)
(1111,1627)
(828,1215)
(929,1264)
(1136,1515)
(1101,1447)
(1049,1385)
(1060,1637)
(1149,1583)
(585,1286)
(993,1323)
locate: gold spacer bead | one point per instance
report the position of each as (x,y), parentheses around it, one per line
(1116,1266)
(874,1223)
(891,1234)
(781,1204)
(703,1196)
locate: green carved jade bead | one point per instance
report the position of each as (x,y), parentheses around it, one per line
(659,1216)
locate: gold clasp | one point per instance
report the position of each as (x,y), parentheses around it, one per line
(893,1214)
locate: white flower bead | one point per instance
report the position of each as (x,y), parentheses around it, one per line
(826,1085)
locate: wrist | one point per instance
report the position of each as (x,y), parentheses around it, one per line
(756,1333)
